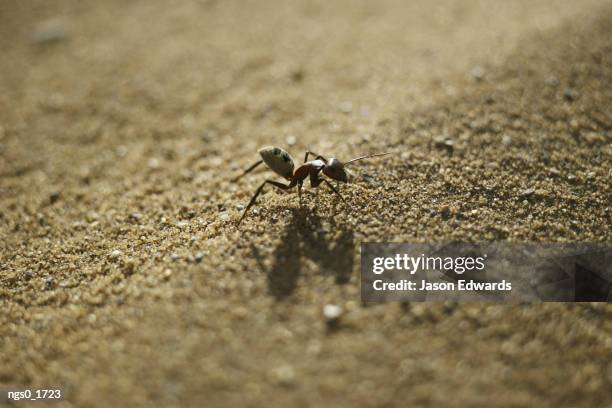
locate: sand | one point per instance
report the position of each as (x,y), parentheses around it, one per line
(125,281)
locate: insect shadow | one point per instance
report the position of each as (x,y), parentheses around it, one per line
(304,238)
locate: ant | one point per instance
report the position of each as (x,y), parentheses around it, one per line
(281,162)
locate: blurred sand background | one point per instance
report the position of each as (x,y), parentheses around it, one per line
(124,280)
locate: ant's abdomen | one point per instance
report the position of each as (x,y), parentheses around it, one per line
(278,160)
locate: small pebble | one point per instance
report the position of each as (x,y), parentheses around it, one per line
(92,216)
(444,142)
(54,196)
(50,31)
(346,107)
(284,375)
(136,216)
(477,73)
(116,254)
(153,163)
(592,138)
(332,312)
(130,266)
(121,151)
(49,283)
(570,94)
(552,82)
(224,217)
(418,311)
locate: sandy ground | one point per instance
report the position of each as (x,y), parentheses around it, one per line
(124,280)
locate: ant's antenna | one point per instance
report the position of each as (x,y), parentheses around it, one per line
(366,157)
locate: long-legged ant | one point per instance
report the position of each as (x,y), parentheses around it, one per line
(281,162)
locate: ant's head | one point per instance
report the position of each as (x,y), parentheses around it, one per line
(334,169)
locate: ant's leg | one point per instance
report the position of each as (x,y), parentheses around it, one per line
(247,171)
(258,191)
(315,180)
(300,192)
(334,190)
(318,156)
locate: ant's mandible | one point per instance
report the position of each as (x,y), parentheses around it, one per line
(281,162)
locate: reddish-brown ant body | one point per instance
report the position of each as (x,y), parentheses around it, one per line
(281,162)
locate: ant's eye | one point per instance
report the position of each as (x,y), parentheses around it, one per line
(285,157)
(276,151)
